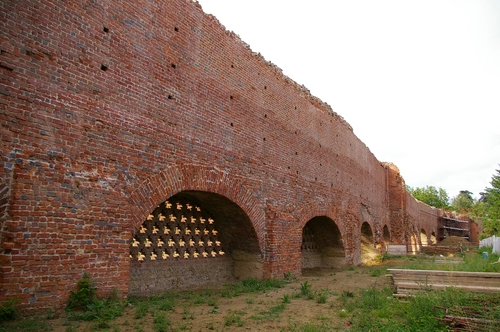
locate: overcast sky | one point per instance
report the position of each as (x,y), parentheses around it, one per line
(419,81)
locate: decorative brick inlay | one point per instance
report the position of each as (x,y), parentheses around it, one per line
(176,229)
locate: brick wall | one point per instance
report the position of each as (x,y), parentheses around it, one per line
(108,108)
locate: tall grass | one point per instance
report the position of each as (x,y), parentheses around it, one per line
(377,310)
(473,261)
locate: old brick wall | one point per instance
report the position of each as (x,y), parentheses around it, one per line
(108,108)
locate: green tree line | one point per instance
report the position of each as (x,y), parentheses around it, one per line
(486,209)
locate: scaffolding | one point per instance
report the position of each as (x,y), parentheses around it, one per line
(452,227)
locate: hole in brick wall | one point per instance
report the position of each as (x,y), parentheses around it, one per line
(231,124)
(315,179)
(296,132)
(232,66)
(230,97)
(176,29)
(7,251)
(296,153)
(288,167)
(173,65)
(105,29)
(297,172)
(265,87)
(320,164)
(170,97)
(265,115)
(295,107)
(337,135)
(104,67)
(264,138)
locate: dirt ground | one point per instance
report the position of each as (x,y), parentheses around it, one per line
(254,312)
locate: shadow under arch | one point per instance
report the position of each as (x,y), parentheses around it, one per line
(433,238)
(423,238)
(193,239)
(386,235)
(322,244)
(369,250)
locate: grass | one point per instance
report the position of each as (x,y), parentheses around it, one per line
(472,261)
(374,309)
(252,285)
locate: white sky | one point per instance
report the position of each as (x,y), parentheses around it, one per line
(419,81)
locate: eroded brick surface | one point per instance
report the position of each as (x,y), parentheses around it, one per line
(108,108)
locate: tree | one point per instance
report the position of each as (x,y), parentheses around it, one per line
(488,207)
(430,195)
(463,202)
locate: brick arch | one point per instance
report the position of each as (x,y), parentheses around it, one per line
(175,179)
(388,230)
(315,210)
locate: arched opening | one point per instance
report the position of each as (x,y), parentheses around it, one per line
(369,251)
(423,238)
(433,238)
(322,244)
(193,239)
(386,237)
(414,243)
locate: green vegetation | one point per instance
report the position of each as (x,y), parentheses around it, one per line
(472,261)
(486,209)
(430,195)
(84,304)
(8,310)
(371,309)
(377,310)
(252,285)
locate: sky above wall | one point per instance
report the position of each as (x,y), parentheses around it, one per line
(419,81)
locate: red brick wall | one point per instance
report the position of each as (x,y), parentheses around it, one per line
(107,108)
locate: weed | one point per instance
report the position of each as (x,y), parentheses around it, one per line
(85,294)
(26,325)
(234,317)
(187,315)
(272,313)
(252,285)
(289,276)
(141,310)
(322,296)
(347,293)
(8,310)
(160,322)
(376,272)
(285,298)
(213,302)
(305,288)
(84,305)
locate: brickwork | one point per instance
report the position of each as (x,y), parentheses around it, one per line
(110,108)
